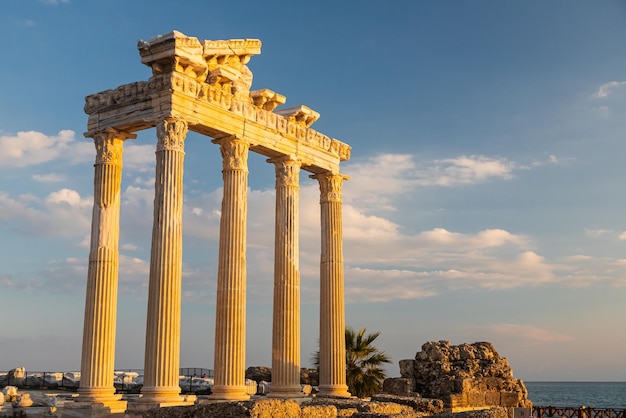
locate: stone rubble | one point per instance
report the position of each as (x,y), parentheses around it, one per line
(466,376)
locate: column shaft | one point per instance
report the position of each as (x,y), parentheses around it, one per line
(98,350)
(286,316)
(332,315)
(162,357)
(230,317)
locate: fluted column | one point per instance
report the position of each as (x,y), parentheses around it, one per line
(332,315)
(230,317)
(162,357)
(98,351)
(286,323)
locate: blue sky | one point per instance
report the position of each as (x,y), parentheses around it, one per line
(486,201)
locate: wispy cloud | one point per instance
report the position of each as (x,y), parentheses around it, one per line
(465,170)
(607,89)
(376,181)
(54,2)
(49,178)
(32,148)
(382,259)
(528,333)
(63,213)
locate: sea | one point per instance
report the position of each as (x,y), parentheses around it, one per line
(576,394)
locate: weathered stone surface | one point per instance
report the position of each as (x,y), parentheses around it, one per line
(219,409)
(407,368)
(428,406)
(401,386)
(318,411)
(309,376)
(275,408)
(465,376)
(496,412)
(259,374)
(24,400)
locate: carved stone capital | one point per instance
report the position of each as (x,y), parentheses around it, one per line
(110,145)
(330,186)
(171,135)
(287,171)
(234,153)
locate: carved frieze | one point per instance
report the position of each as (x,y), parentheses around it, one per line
(292,125)
(171,135)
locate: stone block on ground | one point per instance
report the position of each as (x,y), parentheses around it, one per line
(400,386)
(318,411)
(429,406)
(275,408)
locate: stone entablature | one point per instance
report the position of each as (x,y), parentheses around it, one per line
(207,83)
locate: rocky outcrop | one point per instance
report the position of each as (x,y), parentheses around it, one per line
(466,376)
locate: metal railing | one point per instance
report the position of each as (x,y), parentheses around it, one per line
(580,412)
(193,382)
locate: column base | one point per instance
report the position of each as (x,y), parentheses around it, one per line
(286,392)
(80,409)
(229,393)
(97,395)
(164,396)
(333,391)
(147,404)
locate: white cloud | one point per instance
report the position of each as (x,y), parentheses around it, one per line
(63,213)
(465,170)
(622,236)
(607,89)
(33,148)
(373,285)
(139,157)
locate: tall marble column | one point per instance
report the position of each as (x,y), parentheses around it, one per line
(98,351)
(286,323)
(162,357)
(230,317)
(332,315)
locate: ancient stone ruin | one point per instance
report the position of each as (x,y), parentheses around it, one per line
(205,87)
(464,377)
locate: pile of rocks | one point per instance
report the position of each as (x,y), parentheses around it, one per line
(466,376)
(12,401)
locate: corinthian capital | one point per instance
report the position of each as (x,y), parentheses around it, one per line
(234,153)
(287,171)
(110,145)
(171,134)
(330,186)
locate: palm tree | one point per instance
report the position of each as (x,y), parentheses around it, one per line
(364,373)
